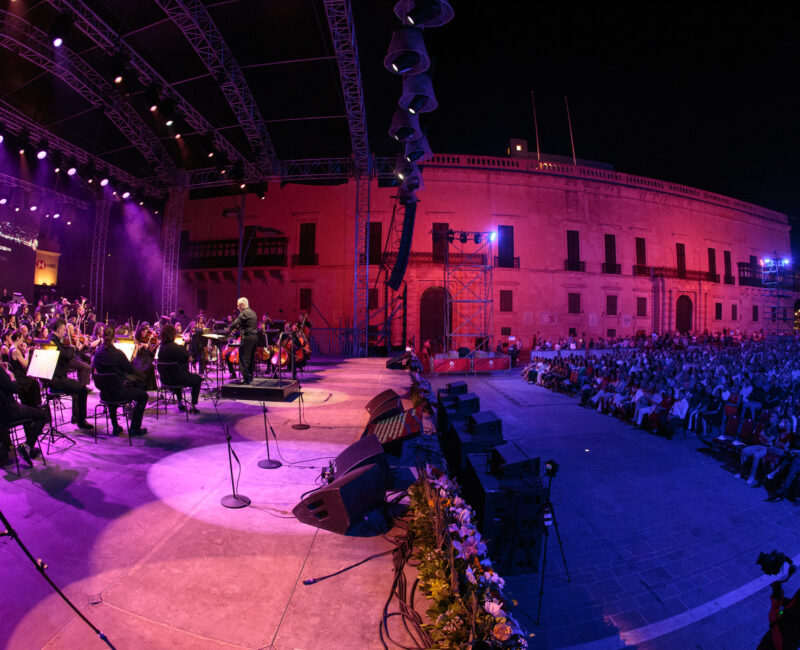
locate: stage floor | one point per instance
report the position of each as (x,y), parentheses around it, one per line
(142,531)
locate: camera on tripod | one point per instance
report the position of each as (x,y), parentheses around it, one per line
(772,563)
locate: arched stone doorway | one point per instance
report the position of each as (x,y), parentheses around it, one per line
(431,317)
(683,314)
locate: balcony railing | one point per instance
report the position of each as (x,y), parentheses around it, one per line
(514,263)
(641,269)
(224,253)
(574,265)
(305,260)
(612,269)
(684,274)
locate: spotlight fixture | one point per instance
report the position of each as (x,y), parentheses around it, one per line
(405,170)
(71,170)
(41,150)
(3,200)
(492,236)
(126,194)
(151,97)
(103,181)
(2,132)
(463,238)
(207,145)
(60,29)
(177,136)
(56,215)
(417,150)
(405,126)
(477,238)
(407,53)
(168,111)
(418,94)
(424,13)
(118,67)
(451,236)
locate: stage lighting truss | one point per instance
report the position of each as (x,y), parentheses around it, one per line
(417,150)
(404,126)
(418,94)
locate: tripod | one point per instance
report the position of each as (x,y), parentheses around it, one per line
(41,567)
(551,467)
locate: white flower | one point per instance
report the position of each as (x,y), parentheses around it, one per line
(494,608)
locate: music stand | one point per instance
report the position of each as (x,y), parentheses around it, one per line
(42,366)
(127,348)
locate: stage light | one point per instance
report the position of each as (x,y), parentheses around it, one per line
(126,194)
(418,94)
(405,169)
(103,182)
(60,29)
(3,200)
(417,150)
(424,13)
(207,145)
(71,171)
(767,260)
(2,137)
(407,53)
(404,126)
(451,236)
(41,150)
(22,151)
(34,208)
(463,238)
(242,186)
(119,64)
(177,136)
(57,170)
(492,236)
(151,97)
(477,238)
(786,261)
(69,223)
(56,215)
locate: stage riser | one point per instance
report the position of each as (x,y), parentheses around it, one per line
(262,390)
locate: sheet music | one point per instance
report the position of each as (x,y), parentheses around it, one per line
(43,364)
(127,347)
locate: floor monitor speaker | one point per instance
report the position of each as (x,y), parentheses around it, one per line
(380,399)
(339,505)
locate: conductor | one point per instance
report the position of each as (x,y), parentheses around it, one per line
(247,323)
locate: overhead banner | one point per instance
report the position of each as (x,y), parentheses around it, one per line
(46,268)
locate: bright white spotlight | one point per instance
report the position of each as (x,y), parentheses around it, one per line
(492,236)
(767,260)
(3,201)
(41,155)
(170,122)
(34,208)
(58,41)
(2,137)
(56,215)
(103,182)
(57,170)
(21,151)
(126,194)
(118,79)
(72,171)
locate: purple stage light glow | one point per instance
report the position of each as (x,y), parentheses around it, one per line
(34,208)
(126,194)
(58,42)
(41,155)
(103,182)
(72,171)
(3,201)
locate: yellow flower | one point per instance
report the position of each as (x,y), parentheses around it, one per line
(501,632)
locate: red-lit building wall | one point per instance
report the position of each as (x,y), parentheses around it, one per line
(541,202)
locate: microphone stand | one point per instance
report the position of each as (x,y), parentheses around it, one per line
(268,463)
(41,567)
(232,500)
(301,405)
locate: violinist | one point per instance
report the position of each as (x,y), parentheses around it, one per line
(10,411)
(109,360)
(178,375)
(197,343)
(18,365)
(146,344)
(61,382)
(78,362)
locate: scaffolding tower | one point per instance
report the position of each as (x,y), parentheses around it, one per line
(468,273)
(777,278)
(391,317)
(173,219)
(98,262)
(361,266)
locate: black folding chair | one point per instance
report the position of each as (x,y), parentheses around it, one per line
(110,383)
(167,376)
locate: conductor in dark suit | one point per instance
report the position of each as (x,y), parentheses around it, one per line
(64,384)
(247,323)
(108,360)
(177,375)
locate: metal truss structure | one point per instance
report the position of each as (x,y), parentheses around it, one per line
(47,192)
(97,270)
(33,44)
(110,42)
(361,266)
(777,304)
(343,34)
(16,123)
(395,303)
(468,273)
(173,218)
(193,19)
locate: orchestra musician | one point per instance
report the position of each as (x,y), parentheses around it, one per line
(18,365)
(60,382)
(171,352)
(146,343)
(109,360)
(247,324)
(78,364)
(10,412)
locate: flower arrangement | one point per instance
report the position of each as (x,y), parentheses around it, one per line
(468,606)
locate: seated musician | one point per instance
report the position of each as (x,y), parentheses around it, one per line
(78,363)
(10,412)
(171,352)
(109,360)
(60,382)
(18,364)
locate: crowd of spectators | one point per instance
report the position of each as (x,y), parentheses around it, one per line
(739,395)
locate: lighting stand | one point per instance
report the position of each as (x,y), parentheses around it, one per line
(41,567)
(301,406)
(268,463)
(547,506)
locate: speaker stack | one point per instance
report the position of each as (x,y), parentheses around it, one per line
(499,480)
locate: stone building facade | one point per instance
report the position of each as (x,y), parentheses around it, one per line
(580,249)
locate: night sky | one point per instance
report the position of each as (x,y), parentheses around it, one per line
(694,96)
